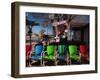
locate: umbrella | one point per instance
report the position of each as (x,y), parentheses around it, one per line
(31,23)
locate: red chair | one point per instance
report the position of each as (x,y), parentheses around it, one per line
(83,49)
(28,51)
(84,53)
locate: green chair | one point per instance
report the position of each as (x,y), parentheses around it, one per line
(74,55)
(62,54)
(50,53)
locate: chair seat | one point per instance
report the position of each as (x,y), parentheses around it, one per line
(75,57)
(51,57)
(36,57)
(62,57)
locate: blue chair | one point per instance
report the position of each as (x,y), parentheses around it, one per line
(38,52)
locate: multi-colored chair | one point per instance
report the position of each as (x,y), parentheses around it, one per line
(38,50)
(84,53)
(62,53)
(74,54)
(50,56)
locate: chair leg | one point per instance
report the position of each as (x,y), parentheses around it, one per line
(56,57)
(70,61)
(42,60)
(67,59)
(56,62)
(80,58)
(43,63)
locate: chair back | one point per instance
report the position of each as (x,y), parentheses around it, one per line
(72,50)
(83,49)
(28,49)
(61,49)
(50,49)
(38,49)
